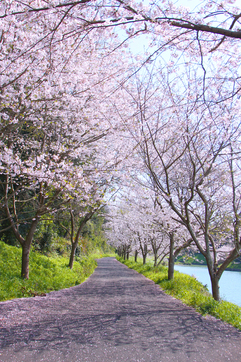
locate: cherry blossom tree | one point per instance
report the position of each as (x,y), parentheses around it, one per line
(188,150)
(211,30)
(70,108)
(47,159)
(133,225)
(81,213)
(75,239)
(54,113)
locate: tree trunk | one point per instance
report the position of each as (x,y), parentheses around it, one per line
(155,259)
(74,242)
(25,262)
(144,253)
(171,261)
(136,254)
(144,259)
(72,254)
(122,253)
(215,288)
(24,242)
(119,251)
(26,245)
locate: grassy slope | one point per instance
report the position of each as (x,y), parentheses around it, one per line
(191,292)
(46,273)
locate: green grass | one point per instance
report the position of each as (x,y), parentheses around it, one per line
(100,254)
(45,273)
(189,291)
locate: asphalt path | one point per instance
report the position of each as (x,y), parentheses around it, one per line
(116,315)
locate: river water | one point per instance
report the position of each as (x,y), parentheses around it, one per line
(230,282)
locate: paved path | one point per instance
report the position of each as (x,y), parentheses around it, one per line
(116,315)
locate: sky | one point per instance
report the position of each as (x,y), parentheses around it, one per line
(141,43)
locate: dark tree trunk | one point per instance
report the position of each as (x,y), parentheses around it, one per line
(25,262)
(136,254)
(155,260)
(26,245)
(72,255)
(212,268)
(144,259)
(121,252)
(74,242)
(215,288)
(171,261)
(144,252)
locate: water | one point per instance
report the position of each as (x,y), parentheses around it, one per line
(230,282)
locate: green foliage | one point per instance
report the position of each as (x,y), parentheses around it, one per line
(46,273)
(190,291)
(44,236)
(93,239)
(235,265)
(191,258)
(7,235)
(60,247)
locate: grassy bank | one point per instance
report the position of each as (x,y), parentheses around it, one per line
(189,291)
(46,273)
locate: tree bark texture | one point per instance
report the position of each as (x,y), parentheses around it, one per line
(171,260)
(74,242)
(25,262)
(215,288)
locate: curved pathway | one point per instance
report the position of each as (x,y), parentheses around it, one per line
(116,315)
